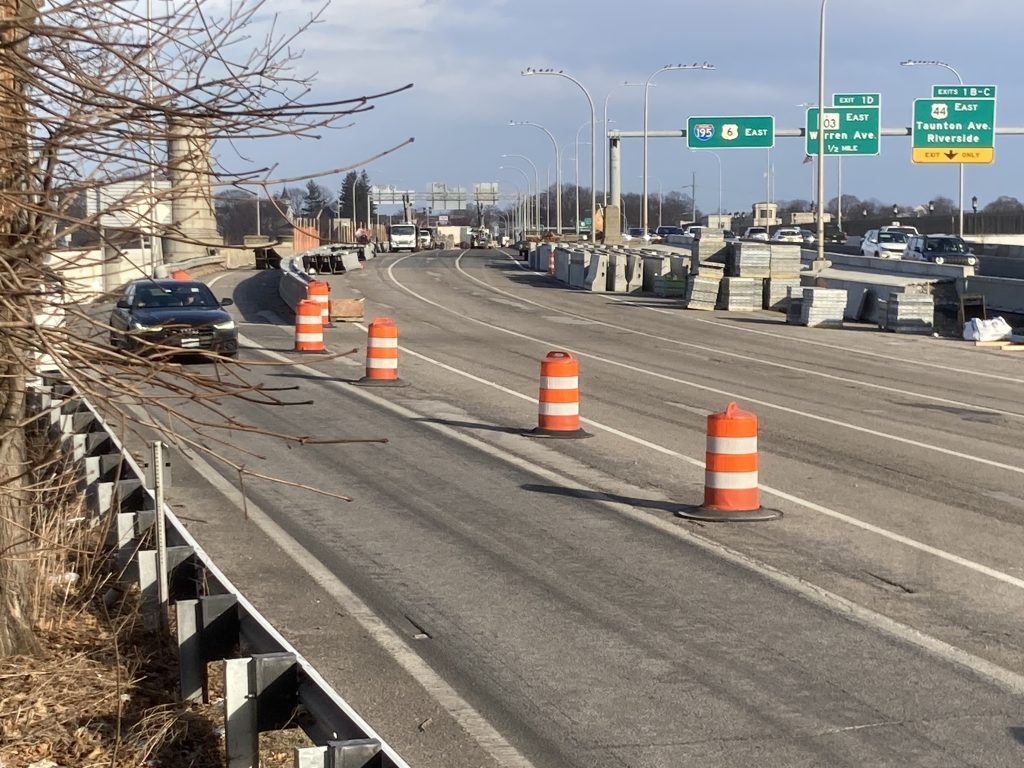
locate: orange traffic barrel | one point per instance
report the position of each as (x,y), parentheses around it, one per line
(309,327)
(382,354)
(559,401)
(320,292)
(180,274)
(551,262)
(731,491)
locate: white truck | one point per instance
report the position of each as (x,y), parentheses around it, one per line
(403,237)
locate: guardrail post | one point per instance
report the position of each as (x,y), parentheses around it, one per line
(209,632)
(355,753)
(148,573)
(260,694)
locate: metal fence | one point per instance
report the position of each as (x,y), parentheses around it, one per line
(268,685)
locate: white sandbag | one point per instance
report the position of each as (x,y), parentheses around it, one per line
(994,329)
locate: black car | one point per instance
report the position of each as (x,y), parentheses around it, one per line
(182,314)
(939,249)
(834,235)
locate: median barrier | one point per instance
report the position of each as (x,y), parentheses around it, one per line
(265,685)
(561,259)
(577,269)
(596,277)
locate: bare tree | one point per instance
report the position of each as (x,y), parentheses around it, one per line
(90,92)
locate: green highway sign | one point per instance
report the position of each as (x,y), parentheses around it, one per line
(848,131)
(744,132)
(857,100)
(953,130)
(963,91)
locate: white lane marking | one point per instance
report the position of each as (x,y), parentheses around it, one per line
(467,717)
(577,318)
(920,546)
(715,390)
(496,744)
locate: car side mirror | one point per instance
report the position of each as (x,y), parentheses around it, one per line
(226,302)
(123,304)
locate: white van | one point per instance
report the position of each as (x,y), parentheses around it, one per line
(403,237)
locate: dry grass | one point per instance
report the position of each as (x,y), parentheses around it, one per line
(102,691)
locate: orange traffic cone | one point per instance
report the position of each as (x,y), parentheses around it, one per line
(320,292)
(309,327)
(382,354)
(559,401)
(731,492)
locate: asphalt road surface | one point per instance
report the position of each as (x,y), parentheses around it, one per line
(488,598)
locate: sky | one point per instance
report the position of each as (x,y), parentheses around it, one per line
(464,60)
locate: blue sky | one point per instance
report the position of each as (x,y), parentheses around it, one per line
(465,59)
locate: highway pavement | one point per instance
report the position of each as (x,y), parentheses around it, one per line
(489,598)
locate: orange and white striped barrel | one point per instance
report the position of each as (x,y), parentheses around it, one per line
(309,327)
(551,261)
(382,350)
(320,292)
(731,489)
(730,477)
(559,401)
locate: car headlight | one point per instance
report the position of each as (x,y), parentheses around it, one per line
(227,325)
(137,326)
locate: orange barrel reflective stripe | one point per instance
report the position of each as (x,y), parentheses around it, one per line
(309,327)
(559,401)
(731,489)
(320,292)
(382,350)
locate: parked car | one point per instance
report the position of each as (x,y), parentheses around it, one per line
(636,233)
(884,244)
(808,236)
(755,233)
(181,314)
(787,235)
(664,232)
(905,229)
(939,249)
(834,235)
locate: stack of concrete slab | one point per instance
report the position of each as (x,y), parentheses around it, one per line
(702,290)
(750,258)
(910,313)
(739,294)
(823,307)
(785,259)
(710,247)
(794,305)
(776,291)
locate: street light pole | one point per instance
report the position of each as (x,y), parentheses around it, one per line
(536,187)
(593,136)
(820,239)
(604,176)
(960,81)
(647,85)
(558,172)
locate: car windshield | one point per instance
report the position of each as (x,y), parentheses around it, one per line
(946,244)
(892,237)
(636,231)
(184,295)
(400,229)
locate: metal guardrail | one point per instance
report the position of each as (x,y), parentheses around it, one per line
(268,684)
